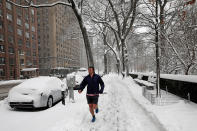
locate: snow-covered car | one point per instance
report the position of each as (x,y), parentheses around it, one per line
(82,71)
(36,92)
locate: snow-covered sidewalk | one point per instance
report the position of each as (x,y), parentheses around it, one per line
(118,112)
(123,108)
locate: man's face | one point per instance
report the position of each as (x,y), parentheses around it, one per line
(90,70)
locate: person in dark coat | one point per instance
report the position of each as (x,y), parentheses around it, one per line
(92,81)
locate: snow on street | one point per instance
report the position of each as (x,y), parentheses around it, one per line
(118,112)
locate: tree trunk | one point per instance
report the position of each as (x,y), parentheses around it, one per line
(123,58)
(157,53)
(105,63)
(84,33)
(187,69)
(118,66)
(164,57)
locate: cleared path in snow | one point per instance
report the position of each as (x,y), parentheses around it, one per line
(118,112)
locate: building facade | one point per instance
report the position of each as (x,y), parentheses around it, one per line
(18,39)
(59,38)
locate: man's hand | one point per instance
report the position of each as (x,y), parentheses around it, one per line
(100,91)
(79,91)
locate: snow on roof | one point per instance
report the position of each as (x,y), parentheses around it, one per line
(29,69)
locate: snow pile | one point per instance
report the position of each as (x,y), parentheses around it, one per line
(176,117)
(146,83)
(188,78)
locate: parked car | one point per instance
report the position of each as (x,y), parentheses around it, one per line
(36,92)
(82,71)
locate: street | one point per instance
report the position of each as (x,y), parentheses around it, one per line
(4,89)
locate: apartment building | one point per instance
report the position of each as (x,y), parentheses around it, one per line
(59,38)
(18,39)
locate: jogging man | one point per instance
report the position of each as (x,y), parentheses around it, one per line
(92,80)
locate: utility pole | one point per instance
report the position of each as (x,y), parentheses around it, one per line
(158,93)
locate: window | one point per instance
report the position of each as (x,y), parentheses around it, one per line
(27,44)
(9,17)
(2,48)
(21,52)
(20,42)
(11,61)
(19,22)
(1,12)
(1,24)
(22,62)
(34,53)
(8,6)
(32,11)
(10,28)
(33,36)
(2,72)
(27,25)
(19,11)
(19,32)
(2,60)
(38,20)
(35,62)
(1,37)
(11,50)
(10,39)
(27,35)
(33,28)
(28,53)
(26,15)
(40,61)
(11,73)
(28,63)
(34,45)
(32,19)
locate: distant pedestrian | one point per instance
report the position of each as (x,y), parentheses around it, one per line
(92,81)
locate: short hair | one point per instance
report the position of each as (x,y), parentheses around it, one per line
(91,67)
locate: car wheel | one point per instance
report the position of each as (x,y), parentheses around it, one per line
(50,102)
